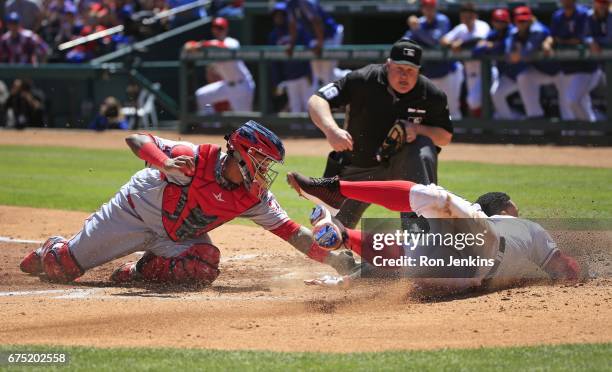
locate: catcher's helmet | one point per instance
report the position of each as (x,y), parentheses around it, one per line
(257,150)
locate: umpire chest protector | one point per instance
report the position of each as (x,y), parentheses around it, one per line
(192,210)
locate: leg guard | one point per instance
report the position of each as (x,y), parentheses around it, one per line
(198,264)
(59,264)
(32,263)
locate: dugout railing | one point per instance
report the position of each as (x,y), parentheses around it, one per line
(192,63)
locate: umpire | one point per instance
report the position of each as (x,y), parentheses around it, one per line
(396,122)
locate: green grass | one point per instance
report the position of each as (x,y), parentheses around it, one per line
(78,179)
(582,357)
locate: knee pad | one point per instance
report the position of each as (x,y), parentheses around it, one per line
(198,264)
(59,264)
(437,202)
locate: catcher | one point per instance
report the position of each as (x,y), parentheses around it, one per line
(168,208)
(512,247)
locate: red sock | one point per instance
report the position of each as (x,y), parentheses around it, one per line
(355,241)
(393,195)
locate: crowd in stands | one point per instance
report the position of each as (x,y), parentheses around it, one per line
(515,37)
(32,30)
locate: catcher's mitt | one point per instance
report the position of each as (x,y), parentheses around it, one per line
(393,143)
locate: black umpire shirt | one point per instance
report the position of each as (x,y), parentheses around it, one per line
(373,107)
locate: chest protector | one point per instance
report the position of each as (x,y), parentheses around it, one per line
(193,210)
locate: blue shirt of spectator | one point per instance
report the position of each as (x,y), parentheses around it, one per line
(567,28)
(599,28)
(501,40)
(529,45)
(305,12)
(428,36)
(282,71)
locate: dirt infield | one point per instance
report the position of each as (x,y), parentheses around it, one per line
(600,157)
(259,302)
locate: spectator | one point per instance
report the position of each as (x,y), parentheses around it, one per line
(109,116)
(70,26)
(227,8)
(465,36)
(18,45)
(326,32)
(504,75)
(96,21)
(26,104)
(530,38)
(600,26)
(294,75)
(52,18)
(28,10)
(237,85)
(186,16)
(427,31)
(569,29)
(4,95)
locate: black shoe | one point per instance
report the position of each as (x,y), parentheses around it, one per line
(317,190)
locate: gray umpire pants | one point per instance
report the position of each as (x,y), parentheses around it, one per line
(416,161)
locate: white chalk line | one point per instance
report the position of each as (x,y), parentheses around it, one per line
(99,293)
(7,239)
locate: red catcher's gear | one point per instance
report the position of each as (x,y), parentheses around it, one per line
(59,264)
(257,150)
(192,210)
(198,264)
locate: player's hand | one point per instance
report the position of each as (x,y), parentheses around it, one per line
(547,49)
(330,281)
(595,48)
(412,131)
(192,45)
(413,23)
(317,49)
(289,50)
(456,46)
(340,140)
(180,165)
(515,57)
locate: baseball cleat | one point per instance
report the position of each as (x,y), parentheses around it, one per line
(32,263)
(318,190)
(328,233)
(125,273)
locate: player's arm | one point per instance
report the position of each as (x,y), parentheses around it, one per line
(301,239)
(317,25)
(143,146)
(562,267)
(545,254)
(440,126)
(439,136)
(272,217)
(334,95)
(321,115)
(293,34)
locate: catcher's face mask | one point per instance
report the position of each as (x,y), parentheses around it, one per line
(258,172)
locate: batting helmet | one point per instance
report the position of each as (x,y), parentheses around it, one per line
(257,150)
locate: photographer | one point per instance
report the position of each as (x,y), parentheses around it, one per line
(110,116)
(26,103)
